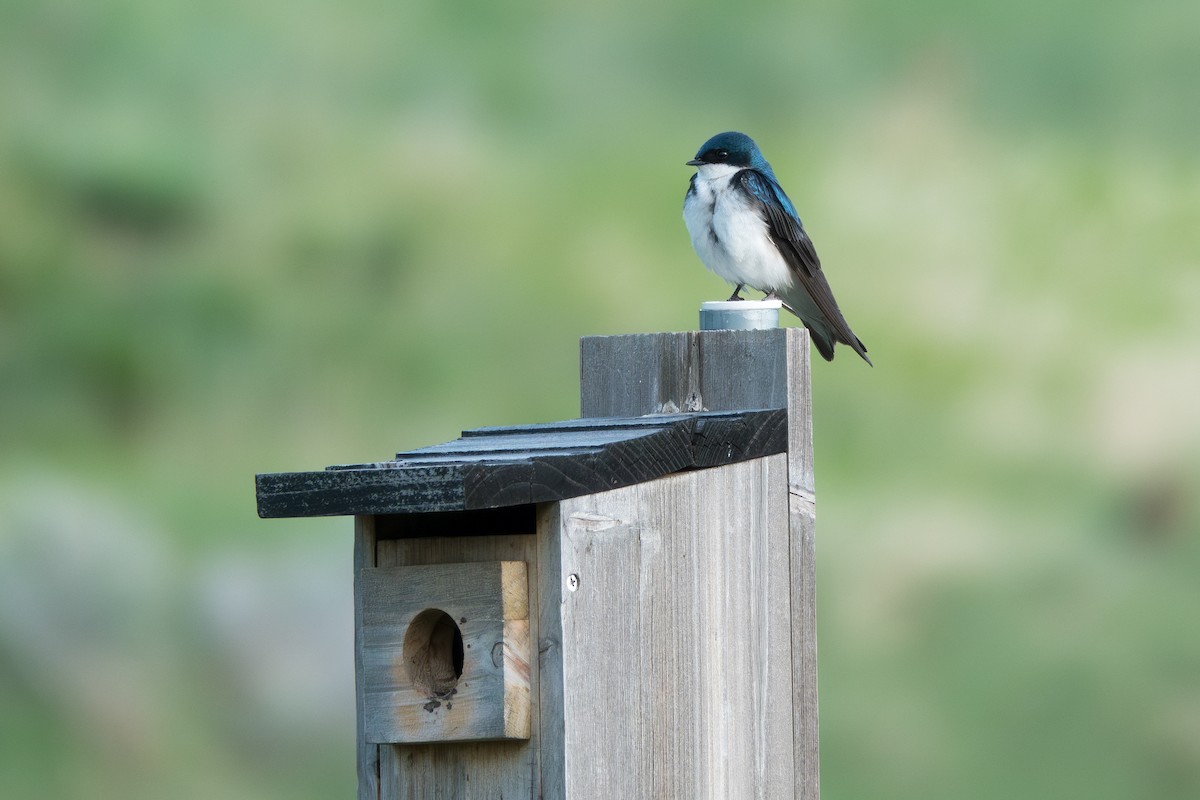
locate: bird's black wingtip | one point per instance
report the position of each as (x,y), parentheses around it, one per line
(862,351)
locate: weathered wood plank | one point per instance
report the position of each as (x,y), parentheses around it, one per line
(676,642)
(505,469)
(367,753)
(604,688)
(724,440)
(551,592)
(475,770)
(799,406)
(628,376)
(625,376)
(802,521)
(746,369)
(411,616)
(804,648)
(622,461)
(325,493)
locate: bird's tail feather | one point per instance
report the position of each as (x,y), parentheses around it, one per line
(823,334)
(822,340)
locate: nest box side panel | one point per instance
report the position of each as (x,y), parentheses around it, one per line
(675,665)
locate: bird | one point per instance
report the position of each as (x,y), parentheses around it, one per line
(746,230)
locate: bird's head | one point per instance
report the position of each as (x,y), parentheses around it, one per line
(729,150)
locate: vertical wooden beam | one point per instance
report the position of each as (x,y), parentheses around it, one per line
(802,518)
(368,754)
(551,590)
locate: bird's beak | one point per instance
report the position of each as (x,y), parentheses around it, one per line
(695,162)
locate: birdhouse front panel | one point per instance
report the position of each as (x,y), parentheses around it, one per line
(445,652)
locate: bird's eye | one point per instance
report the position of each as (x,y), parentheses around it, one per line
(720,155)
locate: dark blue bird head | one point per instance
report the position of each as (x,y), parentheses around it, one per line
(732,148)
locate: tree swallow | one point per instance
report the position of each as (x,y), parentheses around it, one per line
(746,230)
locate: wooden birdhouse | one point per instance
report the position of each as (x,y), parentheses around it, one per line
(615,606)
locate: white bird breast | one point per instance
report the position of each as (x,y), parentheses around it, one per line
(729,235)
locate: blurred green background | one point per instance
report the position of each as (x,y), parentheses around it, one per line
(241,237)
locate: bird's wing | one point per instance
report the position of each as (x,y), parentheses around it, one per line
(782,220)
(797,248)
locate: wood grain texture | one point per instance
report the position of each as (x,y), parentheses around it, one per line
(804,648)
(675,650)
(655,373)
(802,522)
(498,467)
(323,493)
(717,370)
(477,770)
(410,615)
(800,413)
(719,439)
(551,589)
(367,753)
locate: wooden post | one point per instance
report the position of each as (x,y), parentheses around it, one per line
(619,606)
(750,542)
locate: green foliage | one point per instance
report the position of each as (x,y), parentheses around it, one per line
(254,237)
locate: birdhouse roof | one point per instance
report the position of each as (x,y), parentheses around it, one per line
(523,464)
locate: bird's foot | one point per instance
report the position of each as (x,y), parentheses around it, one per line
(770,296)
(737,293)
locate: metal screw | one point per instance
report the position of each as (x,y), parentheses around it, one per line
(572,581)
